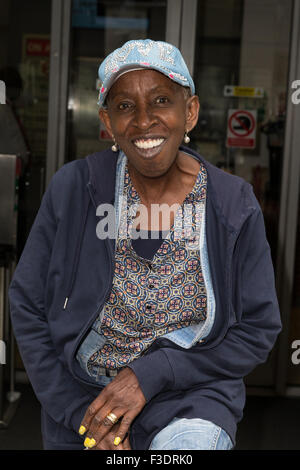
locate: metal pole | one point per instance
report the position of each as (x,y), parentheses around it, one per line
(173,26)
(12,394)
(188,32)
(2,339)
(58,85)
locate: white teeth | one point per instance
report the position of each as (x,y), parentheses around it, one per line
(149,143)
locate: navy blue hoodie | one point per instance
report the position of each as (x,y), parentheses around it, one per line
(64,259)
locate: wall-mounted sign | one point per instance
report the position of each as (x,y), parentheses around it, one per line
(243,91)
(241,128)
(37,46)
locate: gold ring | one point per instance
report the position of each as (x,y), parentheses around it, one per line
(112,417)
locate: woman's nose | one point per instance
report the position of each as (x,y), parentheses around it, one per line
(144,117)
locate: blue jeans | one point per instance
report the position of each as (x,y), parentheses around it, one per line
(191,434)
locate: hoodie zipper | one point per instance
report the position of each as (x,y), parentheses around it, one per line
(77,254)
(73,277)
(93,318)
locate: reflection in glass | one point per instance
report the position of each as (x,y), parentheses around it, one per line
(99,27)
(246,44)
(24,66)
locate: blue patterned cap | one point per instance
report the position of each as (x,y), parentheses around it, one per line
(143,53)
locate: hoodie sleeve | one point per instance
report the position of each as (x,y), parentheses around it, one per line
(60,395)
(246,343)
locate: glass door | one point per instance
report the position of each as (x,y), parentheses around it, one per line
(241,60)
(24,67)
(239,54)
(97,28)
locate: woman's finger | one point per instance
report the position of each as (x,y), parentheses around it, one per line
(107,443)
(102,425)
(126,444)
(91,411)
(122,396)
(124,428)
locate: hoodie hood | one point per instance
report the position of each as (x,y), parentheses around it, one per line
(102,189)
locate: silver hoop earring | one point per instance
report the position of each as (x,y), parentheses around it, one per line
(186,138)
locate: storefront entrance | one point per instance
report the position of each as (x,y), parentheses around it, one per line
(243,56)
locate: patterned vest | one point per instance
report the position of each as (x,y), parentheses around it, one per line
(150,298)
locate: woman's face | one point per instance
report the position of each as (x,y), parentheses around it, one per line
(147,113)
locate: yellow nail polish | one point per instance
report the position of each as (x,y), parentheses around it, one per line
(87,442)
(92,443)
(82,430)
(117,441)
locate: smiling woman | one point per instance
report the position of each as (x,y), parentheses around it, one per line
(148,114)
(156,333)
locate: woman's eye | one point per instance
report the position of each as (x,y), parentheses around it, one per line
(161,100)
(124,106)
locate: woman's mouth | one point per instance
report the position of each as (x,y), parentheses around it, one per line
(149,147)
(148,143)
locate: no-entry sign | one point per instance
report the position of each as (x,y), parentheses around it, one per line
(241,128)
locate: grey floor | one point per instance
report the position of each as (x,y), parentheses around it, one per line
(269,423)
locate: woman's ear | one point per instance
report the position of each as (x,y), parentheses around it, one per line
(192,112)
(104,117)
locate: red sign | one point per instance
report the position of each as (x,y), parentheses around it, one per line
(241,130)
(37,47)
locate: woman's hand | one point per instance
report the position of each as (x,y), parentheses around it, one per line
(124,398)
(107,443)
